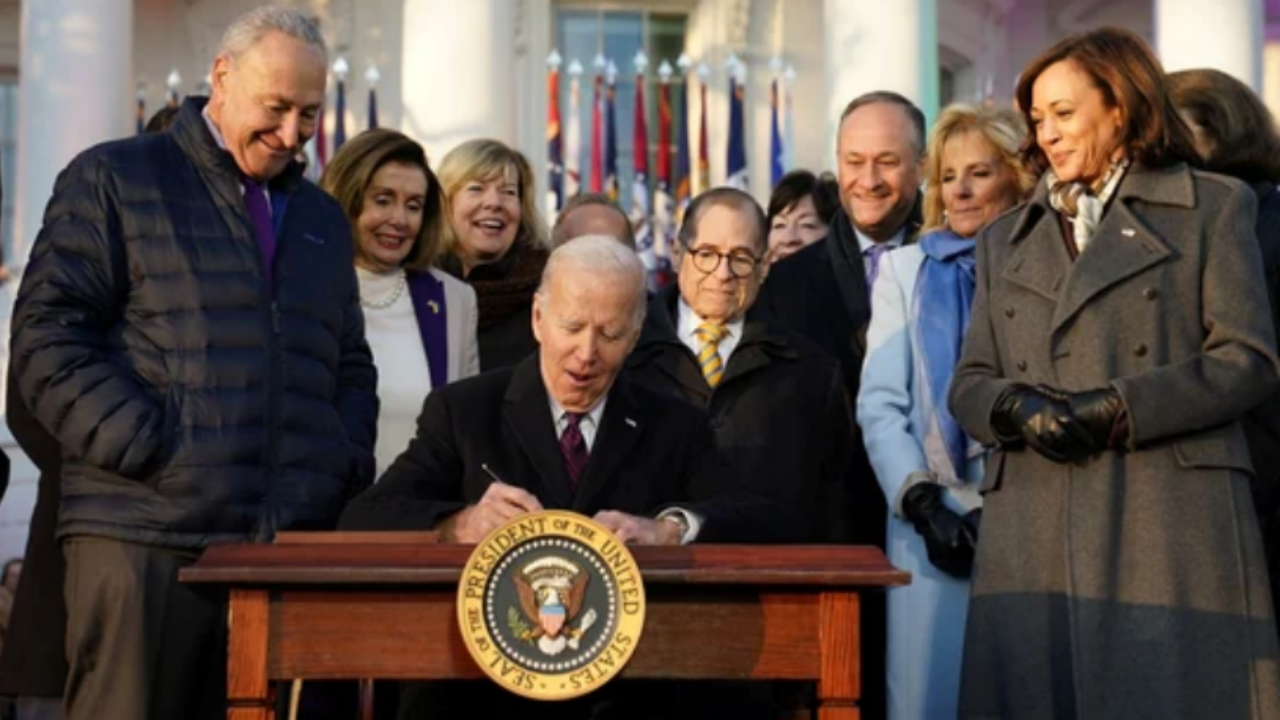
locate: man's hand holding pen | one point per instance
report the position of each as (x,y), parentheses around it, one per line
(501,502)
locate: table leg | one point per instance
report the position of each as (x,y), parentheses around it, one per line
(366,699)
(249,695)
(839,687)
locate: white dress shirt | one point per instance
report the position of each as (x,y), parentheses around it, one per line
(588,425)
(687,322)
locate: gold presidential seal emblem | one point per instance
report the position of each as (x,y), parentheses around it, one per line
(551,605)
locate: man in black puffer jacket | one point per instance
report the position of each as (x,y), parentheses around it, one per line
(189,330)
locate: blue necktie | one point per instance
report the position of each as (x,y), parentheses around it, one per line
(873,255)
(255,201)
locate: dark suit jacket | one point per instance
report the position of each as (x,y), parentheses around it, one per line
(34,661)
(651,451)
(1262,425)
(779,414)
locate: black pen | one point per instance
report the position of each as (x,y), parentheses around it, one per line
(491,473)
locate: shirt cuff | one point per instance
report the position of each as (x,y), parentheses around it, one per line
(691,519)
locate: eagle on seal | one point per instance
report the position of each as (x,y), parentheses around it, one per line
(552,591)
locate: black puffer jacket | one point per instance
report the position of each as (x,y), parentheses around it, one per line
(192,403)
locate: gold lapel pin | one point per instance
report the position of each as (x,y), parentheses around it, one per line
(435,307)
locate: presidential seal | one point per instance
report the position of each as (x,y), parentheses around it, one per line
(551,605)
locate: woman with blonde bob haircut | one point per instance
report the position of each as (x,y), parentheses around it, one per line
(928,468)
(495,241)
(419,321)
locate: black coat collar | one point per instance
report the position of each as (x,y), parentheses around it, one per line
(528,413)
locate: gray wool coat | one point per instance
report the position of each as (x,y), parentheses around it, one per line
(1131,584)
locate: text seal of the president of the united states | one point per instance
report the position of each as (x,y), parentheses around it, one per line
(551,605)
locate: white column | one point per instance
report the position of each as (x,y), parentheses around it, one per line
(869,46)
(1225,35)
(458,74)
(76,90)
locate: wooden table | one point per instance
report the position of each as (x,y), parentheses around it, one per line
(340,606)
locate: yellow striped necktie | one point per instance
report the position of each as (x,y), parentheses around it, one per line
(709,356)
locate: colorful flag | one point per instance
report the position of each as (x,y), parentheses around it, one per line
(663,225)
(611,133)
(736,160)
(597,129)
(704,157)
(555,166)
(640,183)
(777,154)
(684,177)
(573,135)
(371,76)
(321,142)
(142,109)
(340,118)
(789,137)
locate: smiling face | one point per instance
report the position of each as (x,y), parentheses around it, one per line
(976,183)
(485,216)
(391,216)
(266,101)
(719,296)
(794,228)
(1078,132)
(879,168)
(585,326)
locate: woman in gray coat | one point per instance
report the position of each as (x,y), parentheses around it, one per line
(1120,330)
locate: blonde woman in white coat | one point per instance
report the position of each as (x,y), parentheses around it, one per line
(420,321)
(928,469)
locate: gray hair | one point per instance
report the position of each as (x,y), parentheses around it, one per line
(599,255)
(248,30)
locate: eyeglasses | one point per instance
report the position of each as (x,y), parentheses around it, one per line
(741,263)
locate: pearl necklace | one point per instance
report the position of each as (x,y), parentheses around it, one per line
(390,299)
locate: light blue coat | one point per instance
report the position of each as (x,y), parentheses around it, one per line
(927,617)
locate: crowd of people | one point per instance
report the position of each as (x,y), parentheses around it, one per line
(1031,353)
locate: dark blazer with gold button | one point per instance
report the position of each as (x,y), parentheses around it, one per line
(1130,584)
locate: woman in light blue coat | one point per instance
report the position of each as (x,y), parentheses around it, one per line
(929,470)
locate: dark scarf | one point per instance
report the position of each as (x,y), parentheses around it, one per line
(505,287)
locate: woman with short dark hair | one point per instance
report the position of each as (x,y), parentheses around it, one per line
(1119,333)
(800,211)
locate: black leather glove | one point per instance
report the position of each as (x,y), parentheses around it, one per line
(948,538)
(1042,418)
(1097,411)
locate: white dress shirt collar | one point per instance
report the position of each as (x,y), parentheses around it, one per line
(865,243)
(687,323)
(588,425)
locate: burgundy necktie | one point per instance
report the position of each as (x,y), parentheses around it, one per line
(255,201)
(574,447)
